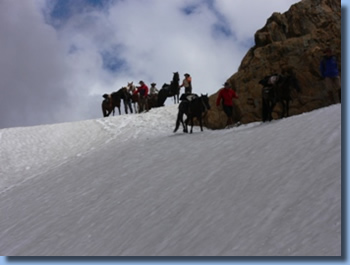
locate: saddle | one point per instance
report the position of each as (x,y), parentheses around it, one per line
(270,80)
(273,79)
(188,97)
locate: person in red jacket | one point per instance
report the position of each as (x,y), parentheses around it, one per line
(226,95)
(143,92)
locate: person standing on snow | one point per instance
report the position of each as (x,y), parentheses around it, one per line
(153,89)
(143,92)
(187,83)
(329,71)
(226,96)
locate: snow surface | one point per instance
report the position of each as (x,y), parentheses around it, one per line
(127,185)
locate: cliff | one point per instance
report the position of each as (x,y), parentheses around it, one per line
(295,39)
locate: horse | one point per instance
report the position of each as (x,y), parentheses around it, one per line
(172,90)
(194,108)
(126,97)
(109,103)
(152,101)
(278,92)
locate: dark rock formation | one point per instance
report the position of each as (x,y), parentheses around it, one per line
(295,39)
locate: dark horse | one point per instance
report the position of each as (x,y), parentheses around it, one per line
(126,97)
(172,90)
(109,103)
(152,101)
(194,108)
(279,92)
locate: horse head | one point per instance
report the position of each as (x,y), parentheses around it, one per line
(205,101)
(176,77)
(131,87)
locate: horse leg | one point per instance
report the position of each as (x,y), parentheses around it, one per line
(287,108)
(200,122)
(125,106)
(104,112)
(191,124)
(283,109)
(271,110)
(264,111)
(271,105)
(130,107)
(185,124)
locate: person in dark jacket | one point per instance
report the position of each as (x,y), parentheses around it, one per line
(330,73)
(226,96)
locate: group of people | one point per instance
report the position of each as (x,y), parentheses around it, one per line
(328,69)
(329,73)
(144,91)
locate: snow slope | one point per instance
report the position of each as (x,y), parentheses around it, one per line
(128,185)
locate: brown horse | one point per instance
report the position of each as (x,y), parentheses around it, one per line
(109,103)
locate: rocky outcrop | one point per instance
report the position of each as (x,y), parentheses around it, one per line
(295,39)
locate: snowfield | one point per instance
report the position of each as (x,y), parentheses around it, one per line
(128,186)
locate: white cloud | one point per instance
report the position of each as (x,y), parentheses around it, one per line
(62,71)
(247,16)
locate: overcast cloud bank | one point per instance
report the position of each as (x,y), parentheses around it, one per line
(59,57)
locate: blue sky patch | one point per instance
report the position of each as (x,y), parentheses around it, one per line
(189,10)
(62,10)
(73,49)
(222,30)
(112,62)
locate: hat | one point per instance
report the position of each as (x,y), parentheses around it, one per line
(153,84)
(186,74)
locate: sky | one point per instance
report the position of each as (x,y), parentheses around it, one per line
(128,185)
(58,57)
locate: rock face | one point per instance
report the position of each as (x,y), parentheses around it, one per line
(295,39)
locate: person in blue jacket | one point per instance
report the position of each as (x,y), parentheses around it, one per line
(330,73)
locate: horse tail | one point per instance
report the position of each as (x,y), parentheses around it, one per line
(103,110)
(177,125)
(161,98)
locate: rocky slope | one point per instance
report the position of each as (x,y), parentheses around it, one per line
(295,39)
